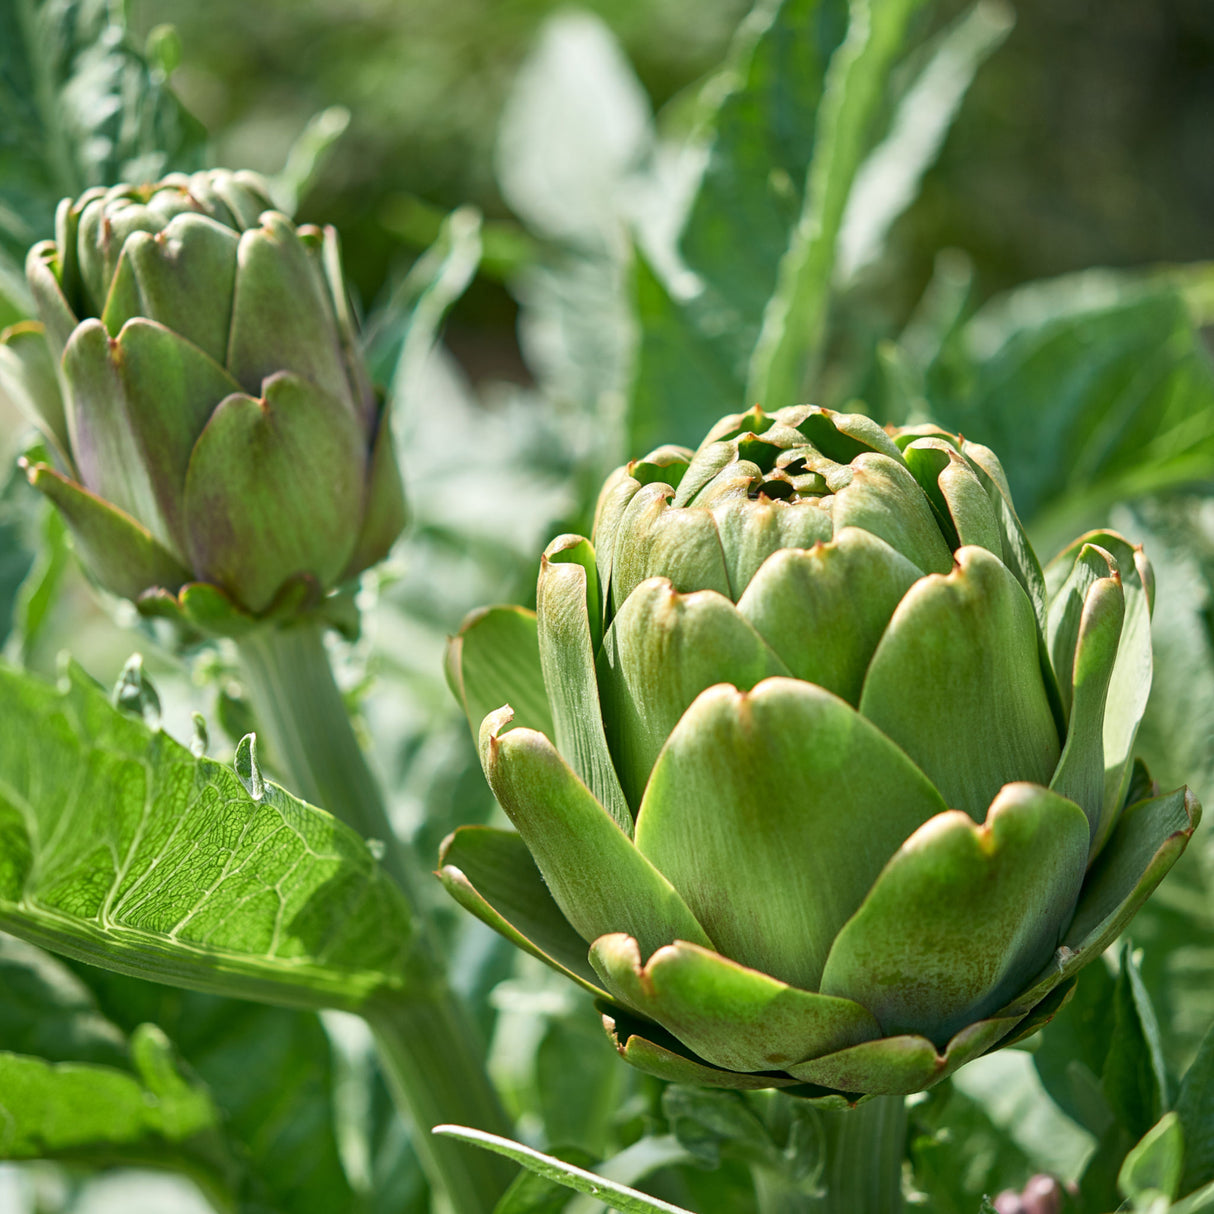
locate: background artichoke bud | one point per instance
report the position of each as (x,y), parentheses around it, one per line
(224,454)
(817,778)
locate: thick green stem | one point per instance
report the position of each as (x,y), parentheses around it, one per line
(428,1044)
(864,1150)
(299,708)
(423,1049)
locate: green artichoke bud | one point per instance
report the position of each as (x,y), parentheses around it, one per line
(818,781)
(221,453)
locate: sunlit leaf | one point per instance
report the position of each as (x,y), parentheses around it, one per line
(118,847)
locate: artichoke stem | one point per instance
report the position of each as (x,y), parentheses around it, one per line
(298,706)
(861,1173)
(434,1078)
(428,1045)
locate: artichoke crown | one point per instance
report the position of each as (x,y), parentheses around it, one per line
(826,781)
(219,449)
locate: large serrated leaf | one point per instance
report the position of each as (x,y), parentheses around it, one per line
(119,848)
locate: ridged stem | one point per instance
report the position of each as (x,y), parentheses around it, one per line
(864,1149)
(428,1044)
(436,1079)
(298,706)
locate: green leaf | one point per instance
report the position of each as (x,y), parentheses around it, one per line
(740,315)
(1195,1108)
(1091,387)
(1012,1097)
(89,1113)
(705,1122)
(1200,1202)
(957,1149)
(406,329)
(626,1200)
(767,132)
(578,1082)
(535,1193)
(794,318)
(699,329)
(1153,1166)
(21,557)
(48,1012)
(1135,1080)
(1071,1055)
(575,124)
(122,849)
(270,1072)
(679,369)
(79,106)
(888,181)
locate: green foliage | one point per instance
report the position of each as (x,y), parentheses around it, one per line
(271,1073)
(1195,1112)
(241,1101)
(622,1198)
(122,847)
(1096,386)
(667,269)
(75,1110)
(80,105)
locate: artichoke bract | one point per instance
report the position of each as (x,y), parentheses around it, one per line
(218,450)
(818,781)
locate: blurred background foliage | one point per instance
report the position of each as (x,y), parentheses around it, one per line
(1085,141)
(511,179)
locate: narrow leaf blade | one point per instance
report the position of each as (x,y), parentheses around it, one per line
(619,1197)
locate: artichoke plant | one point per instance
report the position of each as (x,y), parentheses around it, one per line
(217,450)
(818,782)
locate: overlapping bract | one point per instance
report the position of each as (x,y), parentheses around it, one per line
(833,784)
(218,451)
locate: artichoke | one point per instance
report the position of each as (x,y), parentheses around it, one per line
(220,452)
(818,782)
